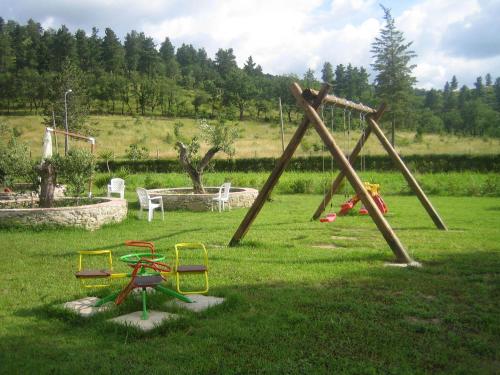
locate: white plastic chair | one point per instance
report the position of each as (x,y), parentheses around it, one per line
(222,197)
(117,186)
(149,203)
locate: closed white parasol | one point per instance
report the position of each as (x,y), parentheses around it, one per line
(47,145)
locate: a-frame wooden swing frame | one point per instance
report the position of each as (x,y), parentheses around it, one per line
(310,101)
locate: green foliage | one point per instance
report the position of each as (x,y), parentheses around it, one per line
(137,152)
(429,122)
(75,169)
(219,135)
(434,163)
(169,139)
(107,156)
(77,101)
(38,66)
(15,162)
(152,182)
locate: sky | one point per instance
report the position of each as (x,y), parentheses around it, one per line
(450,37)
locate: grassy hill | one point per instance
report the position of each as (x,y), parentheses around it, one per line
(258,139)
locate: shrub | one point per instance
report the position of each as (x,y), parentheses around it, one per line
(136,152)
(15,163)
(76,169)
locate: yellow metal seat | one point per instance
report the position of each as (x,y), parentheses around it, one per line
(100,275)
(194,248)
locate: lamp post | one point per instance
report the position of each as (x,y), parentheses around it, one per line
(66,120)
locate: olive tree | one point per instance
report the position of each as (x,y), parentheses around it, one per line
(219,136)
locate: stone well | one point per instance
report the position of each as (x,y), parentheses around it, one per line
(184,199)
(90,217)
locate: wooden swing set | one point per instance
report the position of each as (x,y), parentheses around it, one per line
(310,100)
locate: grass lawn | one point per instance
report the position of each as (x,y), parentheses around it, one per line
(302,297)
(257,139)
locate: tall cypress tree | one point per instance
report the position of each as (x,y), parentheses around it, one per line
(394,80)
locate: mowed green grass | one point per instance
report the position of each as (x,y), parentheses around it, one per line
(302,297)
(257,139)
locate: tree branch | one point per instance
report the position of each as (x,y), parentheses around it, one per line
(184,159)
(206,159)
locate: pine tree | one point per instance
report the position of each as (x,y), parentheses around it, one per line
(70,77)
(82,50)
(454,83)
(132,46)
(327,73)
(7,56)
(167,54)
(95,51)
(309,79)
(488,80)
(225,61)
(340,87)
(479,87)
(496,89)
(394,80)
(63,48)
(112,52)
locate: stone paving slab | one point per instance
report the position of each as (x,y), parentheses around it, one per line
(85,306)
(134,319)
(200,302)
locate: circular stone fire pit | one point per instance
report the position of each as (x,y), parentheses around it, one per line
(184,199)
(90,217)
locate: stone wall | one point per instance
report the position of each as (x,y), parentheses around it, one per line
(184,199)
(90,217)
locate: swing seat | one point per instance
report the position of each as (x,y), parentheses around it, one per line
(182,271)
(346,207)
(328,218)
(363,211)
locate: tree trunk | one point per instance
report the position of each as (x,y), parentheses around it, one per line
(49,176)
(241,107)
(195,173)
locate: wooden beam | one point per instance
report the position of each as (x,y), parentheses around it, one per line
(352,158)
(407,174)
(380,221)
(310,94)
(273,178)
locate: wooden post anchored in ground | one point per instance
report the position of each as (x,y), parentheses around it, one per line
(407,174)
(280,166)
(380,221)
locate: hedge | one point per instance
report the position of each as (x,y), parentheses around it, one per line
(417,163)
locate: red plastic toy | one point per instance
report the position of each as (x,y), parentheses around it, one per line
(328,218)
(373,189)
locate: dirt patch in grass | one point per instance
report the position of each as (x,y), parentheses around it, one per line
(415,320)
(344,238)
(329,246)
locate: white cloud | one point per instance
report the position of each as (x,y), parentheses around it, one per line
(429,25)
(344,7)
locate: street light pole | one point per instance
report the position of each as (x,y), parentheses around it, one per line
(66,121)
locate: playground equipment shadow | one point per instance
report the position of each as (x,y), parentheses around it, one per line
(379,319)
